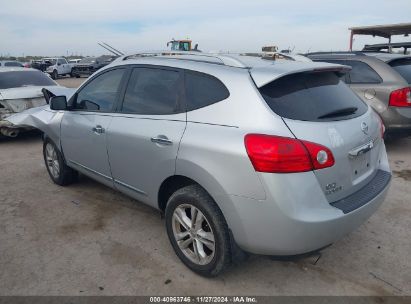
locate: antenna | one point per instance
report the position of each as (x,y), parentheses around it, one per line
(117,54)
(106,44)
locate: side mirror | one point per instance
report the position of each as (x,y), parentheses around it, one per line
(58,103)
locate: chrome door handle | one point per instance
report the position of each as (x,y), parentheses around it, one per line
(98,129)
(162,140)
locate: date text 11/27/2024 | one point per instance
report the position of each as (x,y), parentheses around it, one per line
(204,299)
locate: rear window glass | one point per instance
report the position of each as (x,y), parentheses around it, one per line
(13,64)
(312,97)
(403,66)
(362,73)
(19,79)
(203,90)
(343,77)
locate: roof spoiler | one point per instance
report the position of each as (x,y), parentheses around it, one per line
(267,74)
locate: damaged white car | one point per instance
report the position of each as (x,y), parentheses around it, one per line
(20,89)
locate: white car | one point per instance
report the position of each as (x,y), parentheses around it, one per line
(20,89)
(58,67)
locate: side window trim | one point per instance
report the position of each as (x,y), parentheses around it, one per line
(122,92)
(125,76)
(181,98)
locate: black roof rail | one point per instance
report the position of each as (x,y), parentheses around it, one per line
(359,53)
(223,59)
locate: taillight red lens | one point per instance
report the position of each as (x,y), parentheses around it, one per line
(276,154)
(321,156)
(400,98)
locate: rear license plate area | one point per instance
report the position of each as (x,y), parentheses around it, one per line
(361,164)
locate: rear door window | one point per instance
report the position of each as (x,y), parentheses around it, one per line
(403,66)
(153,91)
(320,96)
(24,78)
(203,90)
(362,73)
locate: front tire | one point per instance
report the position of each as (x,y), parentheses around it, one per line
(198,231)
(58,171)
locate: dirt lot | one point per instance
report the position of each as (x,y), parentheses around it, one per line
(86,239)
(71,82)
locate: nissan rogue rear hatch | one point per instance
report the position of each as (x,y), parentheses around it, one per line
(317,106)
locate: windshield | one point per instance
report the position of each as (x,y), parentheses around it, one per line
(180,46)
(175,46)
(13,64)
(403,66)
(312,97)
(88,60)
(18,79)
(50,61)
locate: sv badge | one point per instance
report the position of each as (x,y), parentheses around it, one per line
(332,188)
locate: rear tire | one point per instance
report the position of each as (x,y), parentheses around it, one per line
(58,171)
(54,75)
(198,231)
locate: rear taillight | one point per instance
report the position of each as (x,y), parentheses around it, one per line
(321,156)
(400,98)
(276,154)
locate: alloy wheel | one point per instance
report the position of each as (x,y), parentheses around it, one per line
(193,234)
(52,161)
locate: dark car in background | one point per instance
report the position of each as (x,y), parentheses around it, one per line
(382,80)
(89,65)
(41,64)
(10,63)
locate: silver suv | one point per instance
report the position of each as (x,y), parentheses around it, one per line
(241,154)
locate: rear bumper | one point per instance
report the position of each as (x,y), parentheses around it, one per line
(296,217)
(88,73)
(397,120)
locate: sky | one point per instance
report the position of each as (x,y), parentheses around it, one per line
(62,27)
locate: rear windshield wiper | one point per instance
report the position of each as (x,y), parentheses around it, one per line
(339,112)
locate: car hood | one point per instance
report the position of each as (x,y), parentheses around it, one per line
(42,118)
(24,92)
(37,116)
